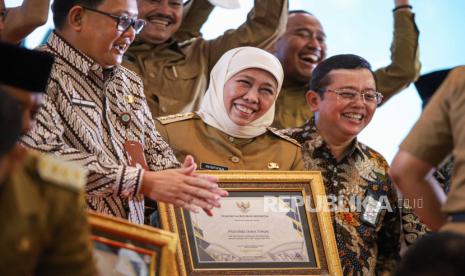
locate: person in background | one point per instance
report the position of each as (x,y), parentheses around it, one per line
(366,219)
(20,21)
(175,75)
(434,255)
(303,46)
(438,133)
(426,86)
(43,226)
(231,129)
(412,227)
(95,113)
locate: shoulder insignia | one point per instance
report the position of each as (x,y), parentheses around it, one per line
(187,42)
(280,134)
(175,118)
(60,172)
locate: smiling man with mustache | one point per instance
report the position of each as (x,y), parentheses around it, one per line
(176,74)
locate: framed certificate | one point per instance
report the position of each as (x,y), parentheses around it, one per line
(124,248)
(272,223)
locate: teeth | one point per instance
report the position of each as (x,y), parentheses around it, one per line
(244,109)
(159,21)
(310,57)
(355,116)
(120,47)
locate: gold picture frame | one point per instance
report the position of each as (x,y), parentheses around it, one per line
(199,255)
(133,249)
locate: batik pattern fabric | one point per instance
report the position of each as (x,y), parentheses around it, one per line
(82,120)
(364,248)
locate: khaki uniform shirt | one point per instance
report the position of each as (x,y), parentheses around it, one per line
(213,149)
(43,226)
(440,130)
(195,14)
(291,106)
(176,75)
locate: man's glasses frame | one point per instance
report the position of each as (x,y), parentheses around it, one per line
(123,22)
(368,97)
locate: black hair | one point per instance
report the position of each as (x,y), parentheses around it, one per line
(427,84)
(434,254)
(299,11)
(320,78)
(61,8)
(24,68)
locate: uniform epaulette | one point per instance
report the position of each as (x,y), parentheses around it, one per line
(187,42)
(60,172)
(175,118)
(283,136)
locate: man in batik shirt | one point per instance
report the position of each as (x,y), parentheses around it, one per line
(95,113)
(343,98)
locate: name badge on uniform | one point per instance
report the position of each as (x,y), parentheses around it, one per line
(135,154)
(82,102)
(372,211)
(206,166)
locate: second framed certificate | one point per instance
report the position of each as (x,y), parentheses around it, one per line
(272,223)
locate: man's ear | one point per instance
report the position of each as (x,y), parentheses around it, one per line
(313,100)
(75,16)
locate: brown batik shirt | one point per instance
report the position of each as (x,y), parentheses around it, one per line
(364,248)
(82,120)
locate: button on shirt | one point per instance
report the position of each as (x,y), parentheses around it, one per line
(80,120)
(364,249)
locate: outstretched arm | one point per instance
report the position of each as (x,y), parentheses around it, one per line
(265,23)
(405,63)
(195,14)
(22,20)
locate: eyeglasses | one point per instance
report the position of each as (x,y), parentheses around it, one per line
(123,22)
(368,97)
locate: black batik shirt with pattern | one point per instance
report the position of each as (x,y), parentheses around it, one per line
(364,249)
